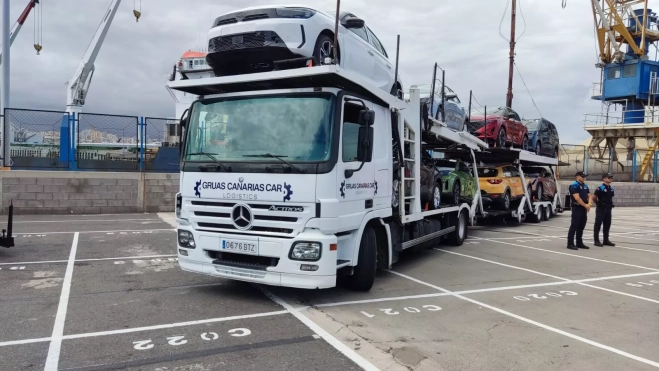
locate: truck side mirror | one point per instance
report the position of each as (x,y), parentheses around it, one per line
(365,140)
(366,118)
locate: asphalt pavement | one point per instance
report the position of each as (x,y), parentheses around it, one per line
(105,292)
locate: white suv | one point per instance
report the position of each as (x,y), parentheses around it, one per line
(266,38)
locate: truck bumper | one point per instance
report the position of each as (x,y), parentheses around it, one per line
(286,272)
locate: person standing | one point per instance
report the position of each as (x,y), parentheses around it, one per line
(603,198)
(580,208)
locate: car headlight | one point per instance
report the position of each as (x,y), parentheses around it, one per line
(185,239)
(295,13)
(309,251)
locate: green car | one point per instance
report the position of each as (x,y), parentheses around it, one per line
(457,182)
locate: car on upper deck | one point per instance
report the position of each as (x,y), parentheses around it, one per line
(543,137)
(276,37)
(501,128)
(455,114)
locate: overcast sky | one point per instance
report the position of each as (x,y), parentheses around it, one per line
(556,54)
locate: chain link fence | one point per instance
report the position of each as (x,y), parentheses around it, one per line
(36,138)
(107,142)
(161,144)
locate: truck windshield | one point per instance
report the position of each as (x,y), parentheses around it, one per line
(297,128)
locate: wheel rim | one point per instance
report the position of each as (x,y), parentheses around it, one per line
(537,148)
(548,212)
(506,200)
(325,50)
(502,138)
(539,192)
(525,143)
(456,194)
(436,197)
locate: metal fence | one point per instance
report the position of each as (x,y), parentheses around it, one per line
(107,142)
(35,138)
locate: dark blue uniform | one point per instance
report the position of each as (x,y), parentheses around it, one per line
(604,195)
(579,213)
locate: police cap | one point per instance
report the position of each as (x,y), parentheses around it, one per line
(580,173)
(606,175)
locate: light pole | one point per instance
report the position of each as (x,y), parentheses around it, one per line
(4,90)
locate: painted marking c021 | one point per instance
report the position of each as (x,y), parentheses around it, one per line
(392,312)
(641,284)
(177,340)
(138,261)
(535,240)
(16,268)
(543,297)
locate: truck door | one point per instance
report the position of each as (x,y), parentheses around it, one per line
(356,193)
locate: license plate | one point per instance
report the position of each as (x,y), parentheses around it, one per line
(243,247)
(237,40)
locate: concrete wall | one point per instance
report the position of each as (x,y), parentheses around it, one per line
(84,192)
(65,192)
(626,194)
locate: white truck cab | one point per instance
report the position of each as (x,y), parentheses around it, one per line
(294,177)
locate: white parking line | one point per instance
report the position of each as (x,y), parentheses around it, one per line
(566,280)
(337,344)
(84,220)
(92,260)
(476,291)
(146,328)
(113,231)
(568,254)
(52,361)
(535,323)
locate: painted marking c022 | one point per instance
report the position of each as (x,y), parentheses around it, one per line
(535,240)
(16,268)
(392,312)
(641,284)
(137,261)
(177,340)
(543,297)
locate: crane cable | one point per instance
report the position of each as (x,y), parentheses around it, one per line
(38,29)
(564,3)
(137,13)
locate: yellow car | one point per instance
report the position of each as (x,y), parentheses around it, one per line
(501,185)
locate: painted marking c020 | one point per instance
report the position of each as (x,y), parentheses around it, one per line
(543,297)
(137,261)
(535,240)
(641,284)
(177,340)
(16,268)
(392,312)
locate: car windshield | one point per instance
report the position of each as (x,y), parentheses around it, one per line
(490,111)
(532,124)
(487,172)
(295,127)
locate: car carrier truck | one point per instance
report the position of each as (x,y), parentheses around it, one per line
(295,177)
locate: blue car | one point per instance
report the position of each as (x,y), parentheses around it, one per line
(543,137)
(455,115)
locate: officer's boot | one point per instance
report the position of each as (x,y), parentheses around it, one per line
(598,243)
(609,243)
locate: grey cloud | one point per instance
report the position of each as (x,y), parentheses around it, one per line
(556,54)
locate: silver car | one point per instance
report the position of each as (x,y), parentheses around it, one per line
(456,114)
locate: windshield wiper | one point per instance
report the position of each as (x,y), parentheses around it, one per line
(278,157)
(218,164)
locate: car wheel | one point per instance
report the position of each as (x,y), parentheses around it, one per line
(501,138)
(525,143)
(538,192)
(556,152)
(436,197)
(324,48)
(506,200)
(538,145)
(456,193)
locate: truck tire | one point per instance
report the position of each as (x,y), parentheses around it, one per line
(457,237)
(364,273)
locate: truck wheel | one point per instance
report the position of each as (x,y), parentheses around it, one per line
(457,237)
(364,273)
(536,217)
(547,213)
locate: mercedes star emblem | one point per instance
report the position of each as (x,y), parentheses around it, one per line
(242,217)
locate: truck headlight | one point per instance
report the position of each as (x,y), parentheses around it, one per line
(309,251)
(185,239)
(303,13)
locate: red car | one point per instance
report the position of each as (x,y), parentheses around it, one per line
(502,128)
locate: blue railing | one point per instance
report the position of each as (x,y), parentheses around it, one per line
(55,140)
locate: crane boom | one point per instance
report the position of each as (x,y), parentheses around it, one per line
(79,84)
(19,23)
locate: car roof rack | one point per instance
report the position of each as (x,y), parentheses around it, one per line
(329,76)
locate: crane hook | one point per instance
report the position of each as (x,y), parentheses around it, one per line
(137,14)
(38,48)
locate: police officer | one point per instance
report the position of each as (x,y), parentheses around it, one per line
(603,197)
(580,208)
